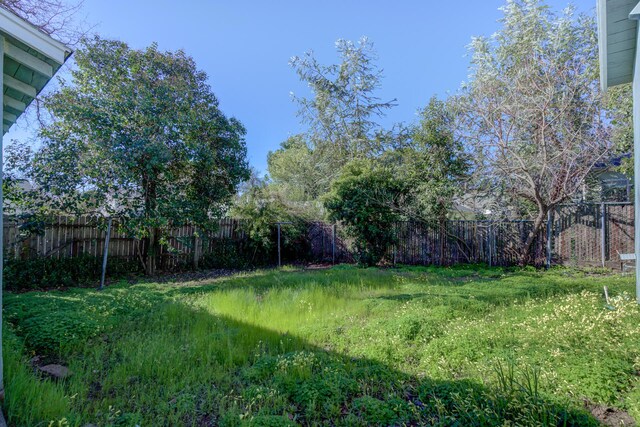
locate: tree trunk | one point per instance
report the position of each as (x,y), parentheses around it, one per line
(150,204)
(525,255)
(153,251)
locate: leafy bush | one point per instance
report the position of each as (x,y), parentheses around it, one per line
(261,210)
(365,198)
(43,273)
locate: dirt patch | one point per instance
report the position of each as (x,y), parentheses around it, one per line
(95,391)
(611,416)
(323,266)
(55,371)
(195,276)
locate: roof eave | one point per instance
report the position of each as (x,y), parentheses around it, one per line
(617,37)
(30,58)
(602,42)
(33,37)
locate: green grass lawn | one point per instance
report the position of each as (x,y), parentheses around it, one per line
(345,346)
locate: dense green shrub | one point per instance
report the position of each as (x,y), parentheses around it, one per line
(43,273)
(365,199)
(261,210)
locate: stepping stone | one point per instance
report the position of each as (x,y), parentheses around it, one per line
(56,371)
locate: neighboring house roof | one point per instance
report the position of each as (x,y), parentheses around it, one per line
(612,162)
(617,34)
(30,60)
(608,176)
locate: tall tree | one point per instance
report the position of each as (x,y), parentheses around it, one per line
(343,111)
(138,134)
(293,170)
(432,165)
(533,114)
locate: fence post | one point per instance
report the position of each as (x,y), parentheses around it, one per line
(279,224)
(603,233)
(489,244)
(549,237)
(105,255)
(197,249)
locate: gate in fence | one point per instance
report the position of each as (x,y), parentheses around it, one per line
(593,234)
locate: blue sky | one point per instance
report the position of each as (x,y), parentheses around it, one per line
(245,46)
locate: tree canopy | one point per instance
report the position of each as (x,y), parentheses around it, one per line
(138,134)
(342,113)
(532,111)
(433,163)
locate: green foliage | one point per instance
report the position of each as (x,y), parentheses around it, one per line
(56,322)
(619,104)
(44,273)
(260,209)
(138,134)
(467,345)
(375,412)
(30,400)
(343,111)
(365,198)
(293,169)
(532,112)
(432,163)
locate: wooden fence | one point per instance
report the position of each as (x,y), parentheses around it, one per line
(582,235)
(328,244)
(72,237)
(494,243)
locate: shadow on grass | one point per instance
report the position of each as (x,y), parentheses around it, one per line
(74,314)
(141,356)
(184,366)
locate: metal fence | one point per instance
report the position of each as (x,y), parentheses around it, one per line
(593,234)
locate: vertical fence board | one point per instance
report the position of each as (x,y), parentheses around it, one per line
(576,240)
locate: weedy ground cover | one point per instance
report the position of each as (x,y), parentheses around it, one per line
(344,346)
